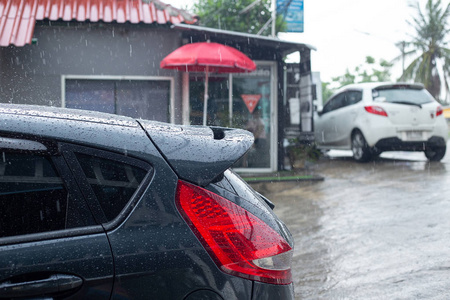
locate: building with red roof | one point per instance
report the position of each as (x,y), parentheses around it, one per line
(18,17)
(104,55)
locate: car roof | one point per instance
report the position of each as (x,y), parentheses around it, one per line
(373,85)
(100,130)
(65,113)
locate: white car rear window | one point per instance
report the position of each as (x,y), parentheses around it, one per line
(402,95)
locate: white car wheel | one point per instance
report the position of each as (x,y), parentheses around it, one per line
(361,151)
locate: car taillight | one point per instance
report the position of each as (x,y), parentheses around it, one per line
(376,110)
(239,242)
(439,111)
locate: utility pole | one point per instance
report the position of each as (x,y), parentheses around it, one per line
(274,17)
(403,43)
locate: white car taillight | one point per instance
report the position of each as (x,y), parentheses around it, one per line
(439,111)
(239,242)
(377,110)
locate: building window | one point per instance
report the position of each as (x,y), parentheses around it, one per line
(145,99)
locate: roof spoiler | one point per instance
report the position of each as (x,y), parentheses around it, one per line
(198,154)
(399,85)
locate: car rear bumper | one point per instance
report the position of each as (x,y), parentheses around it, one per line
(396,144)
(376,129)
(263,291)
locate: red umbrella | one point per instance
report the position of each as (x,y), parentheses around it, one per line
(208,57)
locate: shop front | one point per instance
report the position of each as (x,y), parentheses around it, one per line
(255,101)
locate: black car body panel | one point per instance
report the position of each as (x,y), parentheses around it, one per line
(269,292)
(86,257)
(146,250)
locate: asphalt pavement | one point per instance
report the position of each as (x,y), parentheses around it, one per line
(377,230)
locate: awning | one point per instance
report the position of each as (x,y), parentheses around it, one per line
(199,33)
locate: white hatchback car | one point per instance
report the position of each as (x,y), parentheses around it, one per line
(370,118)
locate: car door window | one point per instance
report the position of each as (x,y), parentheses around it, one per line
(113,182)
(353,97)
(335,103)
(329,106)
(33,196)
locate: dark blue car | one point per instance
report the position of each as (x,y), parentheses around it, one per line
(99,206)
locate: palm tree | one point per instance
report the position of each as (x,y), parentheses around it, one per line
(432,65)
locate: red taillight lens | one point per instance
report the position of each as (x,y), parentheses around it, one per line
(439,111)
(240,243)
(376,110)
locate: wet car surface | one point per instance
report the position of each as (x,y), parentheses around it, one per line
(100,206)
(371,231)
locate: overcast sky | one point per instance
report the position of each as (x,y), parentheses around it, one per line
(346,31)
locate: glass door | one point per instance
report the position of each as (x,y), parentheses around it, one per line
(252,110)
(249,104)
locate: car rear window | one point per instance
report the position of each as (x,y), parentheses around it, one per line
(409,95)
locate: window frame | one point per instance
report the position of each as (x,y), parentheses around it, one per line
(66,164)
(79,203)
(69,151)
(331,103)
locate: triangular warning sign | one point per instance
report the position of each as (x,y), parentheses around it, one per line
(251,101)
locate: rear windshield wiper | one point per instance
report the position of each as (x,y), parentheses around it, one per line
(407,103)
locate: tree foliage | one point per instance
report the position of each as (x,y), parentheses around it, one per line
(370,71)
(237,15)
(431,63)
(327,91)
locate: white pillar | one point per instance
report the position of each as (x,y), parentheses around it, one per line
(274,17)
(185,99)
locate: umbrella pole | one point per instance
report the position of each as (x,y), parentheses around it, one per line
(205,104)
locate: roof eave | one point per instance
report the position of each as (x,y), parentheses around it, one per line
(287,46)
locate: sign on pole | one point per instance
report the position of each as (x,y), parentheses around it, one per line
(292,12)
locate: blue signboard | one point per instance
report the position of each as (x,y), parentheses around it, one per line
(292,12)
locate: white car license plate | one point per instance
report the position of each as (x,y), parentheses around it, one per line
(414,136)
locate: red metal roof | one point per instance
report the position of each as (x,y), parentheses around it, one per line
(18,17)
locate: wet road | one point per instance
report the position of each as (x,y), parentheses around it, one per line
(379,230)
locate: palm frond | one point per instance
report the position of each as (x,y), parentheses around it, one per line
(431,29)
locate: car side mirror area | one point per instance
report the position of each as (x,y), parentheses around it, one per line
(319,110)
